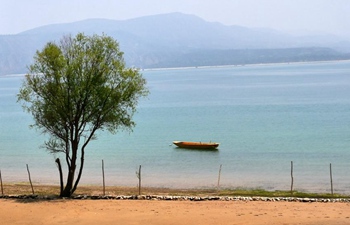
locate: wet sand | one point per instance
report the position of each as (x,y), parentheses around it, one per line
(126,212)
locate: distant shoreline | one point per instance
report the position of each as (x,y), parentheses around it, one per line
(243,65)
(215,66)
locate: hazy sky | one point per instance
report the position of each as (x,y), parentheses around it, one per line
(331,16)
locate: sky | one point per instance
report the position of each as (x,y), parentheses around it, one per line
(301,16)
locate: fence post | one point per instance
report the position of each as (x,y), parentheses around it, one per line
(103,178)
(30,180)
(2,188)
(219,177)
(292,178)
(138,174)
(330,172)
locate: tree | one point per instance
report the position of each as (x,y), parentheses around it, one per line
(75,88)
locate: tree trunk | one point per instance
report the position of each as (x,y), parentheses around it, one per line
(80,171)
(68,190)
(61,175)
(82,159)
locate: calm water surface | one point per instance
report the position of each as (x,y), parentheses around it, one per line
(264,116)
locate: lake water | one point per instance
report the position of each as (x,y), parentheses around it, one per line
(263,116)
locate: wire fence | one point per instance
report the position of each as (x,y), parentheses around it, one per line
(139,178)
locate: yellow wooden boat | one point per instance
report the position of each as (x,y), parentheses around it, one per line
(196,145)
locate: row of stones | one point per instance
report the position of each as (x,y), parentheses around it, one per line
(182,198)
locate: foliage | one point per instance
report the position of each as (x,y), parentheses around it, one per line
(77,87)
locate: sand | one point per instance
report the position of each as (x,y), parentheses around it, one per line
(126,212)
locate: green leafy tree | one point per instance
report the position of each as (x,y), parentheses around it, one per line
(76,88)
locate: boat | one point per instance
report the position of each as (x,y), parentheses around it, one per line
(196,145)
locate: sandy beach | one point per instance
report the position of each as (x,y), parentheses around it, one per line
(171,212)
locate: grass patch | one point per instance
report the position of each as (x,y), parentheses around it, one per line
(277,193)
(39,189)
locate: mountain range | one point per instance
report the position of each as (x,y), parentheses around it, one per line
(178,40)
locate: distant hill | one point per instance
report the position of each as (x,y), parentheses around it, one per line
(175,40)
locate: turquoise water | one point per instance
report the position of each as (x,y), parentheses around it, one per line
(264,116)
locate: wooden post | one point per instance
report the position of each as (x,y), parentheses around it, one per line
(330,172)
(30,180)
(2,188)
(292,178)
(140,180)
(219,177)
(138,174)
(103,176)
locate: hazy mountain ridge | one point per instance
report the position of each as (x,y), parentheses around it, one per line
(176,39)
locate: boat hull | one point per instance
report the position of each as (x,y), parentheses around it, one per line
(196,145)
